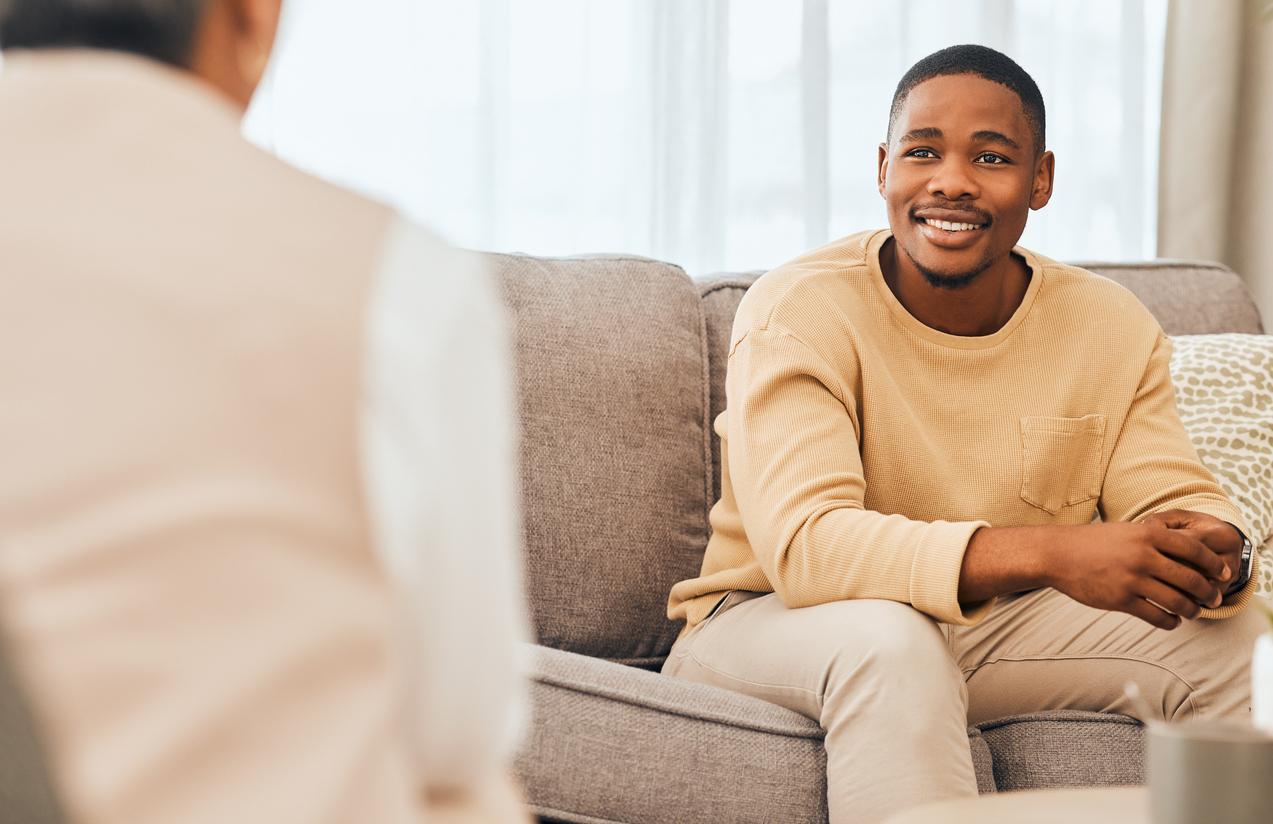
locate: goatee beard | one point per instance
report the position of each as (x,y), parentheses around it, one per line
(951,282)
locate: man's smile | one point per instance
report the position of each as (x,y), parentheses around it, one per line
(951,228)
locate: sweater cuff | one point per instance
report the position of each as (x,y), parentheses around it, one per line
(935,566)
(1238,601)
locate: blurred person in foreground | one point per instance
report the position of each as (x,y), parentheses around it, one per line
(258,536)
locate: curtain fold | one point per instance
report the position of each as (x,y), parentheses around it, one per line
(1217,126)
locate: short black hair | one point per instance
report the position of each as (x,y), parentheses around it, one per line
(160,29)
(982,61)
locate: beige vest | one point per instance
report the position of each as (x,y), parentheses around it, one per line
(187,584)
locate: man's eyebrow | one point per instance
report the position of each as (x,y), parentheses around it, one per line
(987,136)
(982,136)
(925,133)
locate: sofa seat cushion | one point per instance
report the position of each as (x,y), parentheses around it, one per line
(618,744)
(1065,749)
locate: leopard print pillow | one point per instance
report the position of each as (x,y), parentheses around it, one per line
(1224,391)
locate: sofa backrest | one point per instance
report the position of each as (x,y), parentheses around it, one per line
(621,369)
(616,480)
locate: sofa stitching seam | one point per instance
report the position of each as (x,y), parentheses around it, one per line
(638,663)
(645,703)
(721,285)
(1055,716)
(541,811)
(591,259)
(1087,265)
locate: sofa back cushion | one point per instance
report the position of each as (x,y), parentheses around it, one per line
(615,457)
(1188,298)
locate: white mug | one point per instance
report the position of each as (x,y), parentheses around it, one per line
(1209,771)
(1262,684)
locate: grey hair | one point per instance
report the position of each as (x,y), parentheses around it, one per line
(159,29)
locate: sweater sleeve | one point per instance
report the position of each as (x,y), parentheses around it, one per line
(792,440)
(1154,466)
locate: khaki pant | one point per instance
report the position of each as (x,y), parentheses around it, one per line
(895,691)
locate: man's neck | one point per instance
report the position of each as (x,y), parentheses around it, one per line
(978,309)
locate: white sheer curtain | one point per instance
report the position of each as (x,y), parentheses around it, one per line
(718,134)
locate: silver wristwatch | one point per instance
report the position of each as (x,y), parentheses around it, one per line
(1244,566)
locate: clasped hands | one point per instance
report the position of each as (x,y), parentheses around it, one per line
(1167,567)
(1221,537)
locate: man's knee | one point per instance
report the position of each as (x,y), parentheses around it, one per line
(899,671)
(904,645)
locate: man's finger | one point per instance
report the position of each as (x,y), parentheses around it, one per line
(1186,579)
(1173,518)
(1223,541)
(1220,535)
(1183,545)
(1170,599)
(1153,615)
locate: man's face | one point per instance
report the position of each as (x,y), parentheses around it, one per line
(960,175)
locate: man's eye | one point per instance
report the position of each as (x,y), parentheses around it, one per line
(921,153)
(991,158)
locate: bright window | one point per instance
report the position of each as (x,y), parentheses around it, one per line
(718,134)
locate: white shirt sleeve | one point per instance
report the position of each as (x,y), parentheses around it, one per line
(440,463)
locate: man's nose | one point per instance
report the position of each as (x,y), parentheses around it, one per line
(953,180)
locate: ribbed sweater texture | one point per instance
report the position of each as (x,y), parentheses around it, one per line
(861,448)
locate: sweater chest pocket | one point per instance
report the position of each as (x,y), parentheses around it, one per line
(1061,460)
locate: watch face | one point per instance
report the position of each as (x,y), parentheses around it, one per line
(1244,569)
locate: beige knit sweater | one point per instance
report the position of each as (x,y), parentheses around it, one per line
(861,449)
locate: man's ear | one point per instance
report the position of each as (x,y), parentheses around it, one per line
(1044,173)
(255,25)
(881,168)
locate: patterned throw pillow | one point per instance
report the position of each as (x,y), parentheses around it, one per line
(1224,391)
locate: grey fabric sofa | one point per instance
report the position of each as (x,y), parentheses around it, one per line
(621,372)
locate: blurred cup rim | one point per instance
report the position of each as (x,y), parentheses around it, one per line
(1220,731)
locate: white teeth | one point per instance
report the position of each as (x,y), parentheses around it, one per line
(951,227)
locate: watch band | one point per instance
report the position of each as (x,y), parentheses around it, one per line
(1244,566)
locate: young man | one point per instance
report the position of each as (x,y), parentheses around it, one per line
(921,424)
